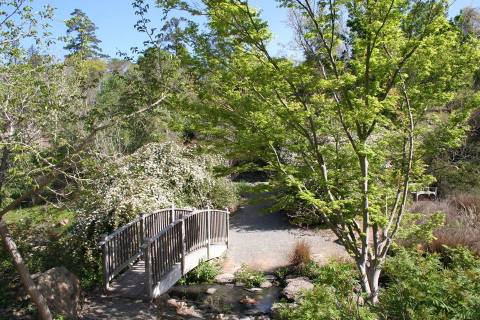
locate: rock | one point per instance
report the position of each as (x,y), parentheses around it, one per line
(182,309)
(275,310)
(189,312)
(266,284)
(248,300)
(270,277)
(254,289)
(239,284)
(225,278)
(295,286)
(173,303)
(211,290)
(61,289)
(63,222)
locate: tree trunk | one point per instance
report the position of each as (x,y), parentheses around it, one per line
(25,277)
(369,279)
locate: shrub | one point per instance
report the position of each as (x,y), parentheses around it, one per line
(301,254)
(205,272)
(431,286)
(415,286)
(250,277)
(333,296)
(153,177)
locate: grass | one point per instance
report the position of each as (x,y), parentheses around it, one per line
(204,273)
(301,254)
(462,221)
(41,216)
(249,277)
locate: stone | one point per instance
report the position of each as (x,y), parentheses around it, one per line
(62,290)
(239,284)
(173,303)
(266,284)
(296,286)
(182,309)
(189,312)
(254,289)
(248,300)
(225,278)
(63,222)
(211,290)
(270,277)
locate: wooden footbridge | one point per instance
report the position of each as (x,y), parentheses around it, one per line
(147,256)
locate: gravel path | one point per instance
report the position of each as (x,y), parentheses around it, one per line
(264,241)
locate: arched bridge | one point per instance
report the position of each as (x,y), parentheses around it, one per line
(150,254)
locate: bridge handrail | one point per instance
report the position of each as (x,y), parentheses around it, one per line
(124,245)
(171,245)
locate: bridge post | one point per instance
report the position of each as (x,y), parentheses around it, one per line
(208,231)
(148,267)
(182,245)
(172,213)
(103,245)
(228,225)
(142,230)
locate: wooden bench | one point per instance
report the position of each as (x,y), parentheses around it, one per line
(430,192)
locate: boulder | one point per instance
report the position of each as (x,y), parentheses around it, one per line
(225,278)
(211,290)
(62,290)
(266,284)
(295,287)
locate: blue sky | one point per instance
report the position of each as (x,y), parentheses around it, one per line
(115,20)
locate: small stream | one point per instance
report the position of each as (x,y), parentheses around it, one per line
(226,299)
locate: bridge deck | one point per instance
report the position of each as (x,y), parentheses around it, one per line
(131,283)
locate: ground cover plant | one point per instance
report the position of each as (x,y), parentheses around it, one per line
(204,273)
(415,285)
(250,277)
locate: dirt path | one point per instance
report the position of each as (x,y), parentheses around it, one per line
(264,241)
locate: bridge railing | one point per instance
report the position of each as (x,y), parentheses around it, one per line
(124,246)
(165,254)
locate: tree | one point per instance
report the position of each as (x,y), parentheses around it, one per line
(469,21)
(46,130)
(85,43)
(344,126)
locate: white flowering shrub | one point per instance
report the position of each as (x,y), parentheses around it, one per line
(154,177)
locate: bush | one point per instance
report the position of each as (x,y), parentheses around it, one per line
(301,254)
(250,277)
(415,286)
(333,296)
(155,176)
(205,272)
(431,286)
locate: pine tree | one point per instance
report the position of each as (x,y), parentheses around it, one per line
(85,44)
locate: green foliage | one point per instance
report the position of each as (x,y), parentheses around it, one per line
(415,286)
(155,176)
(332,297)
(250,277)
(432,286)
(205,272)
(346,129)
(419,228)
(39,233)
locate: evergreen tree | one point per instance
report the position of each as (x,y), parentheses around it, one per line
(85,43)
